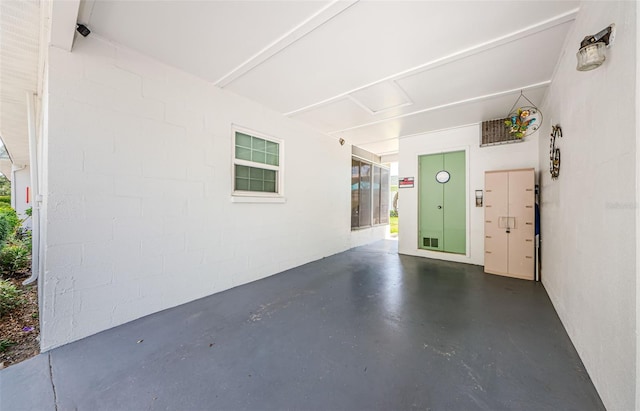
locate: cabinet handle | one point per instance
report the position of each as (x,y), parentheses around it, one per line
(488,252)
(528,239)
(487,236)
(529,223)
(529,189)
(487,221)
(528,256)
(529,206)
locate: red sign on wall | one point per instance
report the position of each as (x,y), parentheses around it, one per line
(405,182)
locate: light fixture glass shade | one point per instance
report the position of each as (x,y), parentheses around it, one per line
(590,56)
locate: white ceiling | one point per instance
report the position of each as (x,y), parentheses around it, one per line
(367,71)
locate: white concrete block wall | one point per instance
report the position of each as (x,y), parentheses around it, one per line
(588,232)
(138,205)
(479,160)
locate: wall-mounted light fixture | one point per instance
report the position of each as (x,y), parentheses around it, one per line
(479,195)
(591,53)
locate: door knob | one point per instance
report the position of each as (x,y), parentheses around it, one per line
(439,207)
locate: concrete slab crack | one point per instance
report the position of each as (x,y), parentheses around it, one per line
(53,385)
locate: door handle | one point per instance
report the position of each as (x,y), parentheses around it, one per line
(439,207)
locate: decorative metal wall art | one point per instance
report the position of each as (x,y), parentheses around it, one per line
(554,152)
(523,120)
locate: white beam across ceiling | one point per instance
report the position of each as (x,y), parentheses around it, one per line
(64,16)
(307,26)
(460,54)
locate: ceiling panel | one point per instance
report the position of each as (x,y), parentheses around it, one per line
(517,64)
(454,116)
(205,38)
(510,66)
(381,97)
(376,39)
(335,116)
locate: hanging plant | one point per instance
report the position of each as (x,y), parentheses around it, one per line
(525,120)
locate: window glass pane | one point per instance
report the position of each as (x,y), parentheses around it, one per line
(242,171)
(365,194)
(376,195)
(272,147)
(243,140)
(256,173)
(259,157)
(270,186)
(355,193)
(243,153)
(269,175)
(255,179)
(256,185)
(272,159)
(258,144)
(242,184)
(384,196)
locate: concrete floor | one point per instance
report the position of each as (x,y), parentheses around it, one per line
(362,330)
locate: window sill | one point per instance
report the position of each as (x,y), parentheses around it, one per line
(256,199)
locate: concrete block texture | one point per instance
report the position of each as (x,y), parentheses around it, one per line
(138,201)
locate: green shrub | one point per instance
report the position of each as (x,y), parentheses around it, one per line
(4,344)
(393,213)
(14,258)
(22,236)
(5,199)
(9,221)
(10,297)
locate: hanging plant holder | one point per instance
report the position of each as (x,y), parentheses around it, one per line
(523,120)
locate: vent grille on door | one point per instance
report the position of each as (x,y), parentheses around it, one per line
(430,242)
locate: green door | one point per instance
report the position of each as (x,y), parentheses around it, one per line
(431,200)
(442,196)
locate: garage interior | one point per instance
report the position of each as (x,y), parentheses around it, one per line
(189,166)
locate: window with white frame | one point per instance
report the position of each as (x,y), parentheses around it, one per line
(256,164)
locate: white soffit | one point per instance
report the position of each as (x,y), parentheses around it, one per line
(19,55)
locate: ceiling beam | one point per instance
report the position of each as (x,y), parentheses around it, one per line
(64,16)
(458,55)
(319,18)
